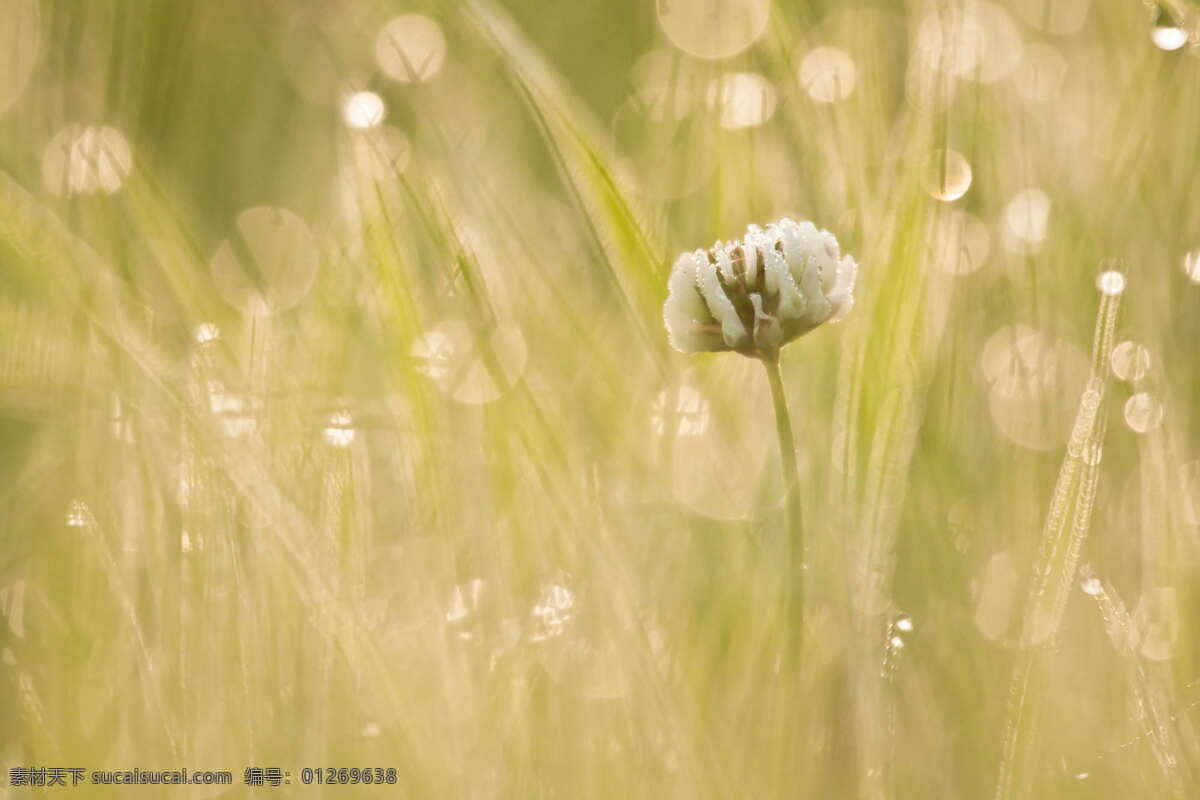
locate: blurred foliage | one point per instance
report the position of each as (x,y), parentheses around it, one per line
(333,441)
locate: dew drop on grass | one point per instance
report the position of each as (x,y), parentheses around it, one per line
(1130,361)
(903,623)
(1092,586)
(1093,453)
(1168,37)
(947,175)
(1110,282)
(827,74)
(713,29)
(411,48)
(1143,412)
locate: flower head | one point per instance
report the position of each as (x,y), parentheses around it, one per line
(755,295)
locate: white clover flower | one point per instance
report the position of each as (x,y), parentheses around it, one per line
(755,295)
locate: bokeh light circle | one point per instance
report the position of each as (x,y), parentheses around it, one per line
(743,99)
(947,175)
(1130,361)
(1143,412)
(713,29)
(827,74)
(411,48)
(363,110)
(268,264)
(86,159)
(473,367)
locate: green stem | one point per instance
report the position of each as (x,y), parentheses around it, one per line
(794,580)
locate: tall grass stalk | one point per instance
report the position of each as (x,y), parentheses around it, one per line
(794,533)
(1056,567)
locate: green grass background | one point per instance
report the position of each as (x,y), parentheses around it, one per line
(270,599)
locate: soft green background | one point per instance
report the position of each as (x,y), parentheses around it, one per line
(573,590)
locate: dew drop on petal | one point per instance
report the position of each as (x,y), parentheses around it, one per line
(1130,361)
(713,29)
(827,74)
(411,48)
(1143,412)
(947,175)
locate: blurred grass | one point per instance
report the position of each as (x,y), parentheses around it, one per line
(459,509)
